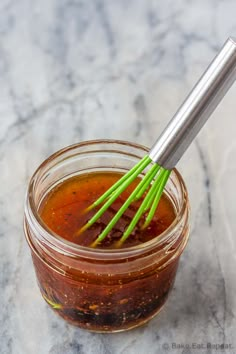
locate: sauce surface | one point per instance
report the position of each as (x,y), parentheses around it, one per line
(63,211)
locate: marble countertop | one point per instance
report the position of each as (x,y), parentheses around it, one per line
(76,70)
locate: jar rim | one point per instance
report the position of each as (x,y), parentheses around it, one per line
(62,245)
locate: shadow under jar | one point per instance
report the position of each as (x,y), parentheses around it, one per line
(103,290)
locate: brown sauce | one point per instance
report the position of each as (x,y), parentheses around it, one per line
(106,301)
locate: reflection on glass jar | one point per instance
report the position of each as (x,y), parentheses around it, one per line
(103,290)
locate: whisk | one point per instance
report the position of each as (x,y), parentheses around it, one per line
(170,146)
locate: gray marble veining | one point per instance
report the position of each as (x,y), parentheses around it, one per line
(76,70)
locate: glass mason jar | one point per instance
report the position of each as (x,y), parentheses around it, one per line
(103,290)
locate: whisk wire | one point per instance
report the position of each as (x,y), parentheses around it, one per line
(157,197)
(143,185)
(150,196)
(156,187)
(132,174)
(112,193)
(155,168)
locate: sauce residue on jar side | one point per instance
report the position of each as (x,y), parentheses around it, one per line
(63,211)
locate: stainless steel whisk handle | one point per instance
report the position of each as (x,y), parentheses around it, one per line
(196,109)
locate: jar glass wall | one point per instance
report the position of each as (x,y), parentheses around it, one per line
(103,290)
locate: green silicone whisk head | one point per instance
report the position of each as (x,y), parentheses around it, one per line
(155,178)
